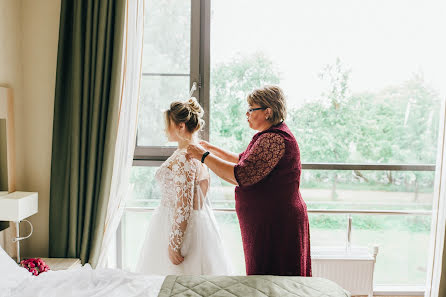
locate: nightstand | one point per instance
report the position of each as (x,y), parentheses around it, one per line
(62,263)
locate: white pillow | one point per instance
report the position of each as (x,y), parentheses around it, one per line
(11,274)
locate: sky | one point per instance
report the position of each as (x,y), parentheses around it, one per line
(383,42)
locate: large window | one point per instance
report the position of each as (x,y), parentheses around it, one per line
(170,66)
(364,81)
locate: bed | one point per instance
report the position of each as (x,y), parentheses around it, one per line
(253,285)
(85,281)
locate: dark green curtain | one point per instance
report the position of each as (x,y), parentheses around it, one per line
(442,289)
(4,225)
(86,106)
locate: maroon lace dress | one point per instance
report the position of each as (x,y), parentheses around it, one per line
(273,217)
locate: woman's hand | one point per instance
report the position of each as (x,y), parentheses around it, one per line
(175,256)
(206,145)
(223,168)
(195,151)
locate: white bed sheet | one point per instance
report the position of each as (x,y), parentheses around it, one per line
(85,281)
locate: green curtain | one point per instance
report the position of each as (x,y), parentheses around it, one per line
(442,289)
(86,107)
(4,225)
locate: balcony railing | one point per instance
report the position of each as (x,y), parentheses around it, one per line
(324,166)
(349,213)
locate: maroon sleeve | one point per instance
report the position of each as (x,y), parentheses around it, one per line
(261,159)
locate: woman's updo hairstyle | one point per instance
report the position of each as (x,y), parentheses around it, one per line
(188,112)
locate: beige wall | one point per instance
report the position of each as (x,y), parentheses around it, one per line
(40,23)
(11,74)
(28,54)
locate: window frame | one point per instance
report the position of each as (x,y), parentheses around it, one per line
(199,72)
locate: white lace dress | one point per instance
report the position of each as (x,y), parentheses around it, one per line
(184,220)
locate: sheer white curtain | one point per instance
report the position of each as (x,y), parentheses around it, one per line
(126,137)
(436,277)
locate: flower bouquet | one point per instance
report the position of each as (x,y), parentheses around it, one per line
(35,265)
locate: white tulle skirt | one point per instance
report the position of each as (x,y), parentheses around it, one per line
(202,247)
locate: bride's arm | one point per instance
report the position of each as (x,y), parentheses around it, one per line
(184,176)
(219,152)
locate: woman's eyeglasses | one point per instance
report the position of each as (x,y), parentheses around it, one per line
(250,110)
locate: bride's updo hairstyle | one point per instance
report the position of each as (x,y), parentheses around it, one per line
(188,112)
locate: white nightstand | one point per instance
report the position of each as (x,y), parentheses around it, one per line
(16,207)
(62,263)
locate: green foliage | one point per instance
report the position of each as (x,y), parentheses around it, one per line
(323,126)
(370,222)
(231,83)
(144,186)
(397,124)
(331,222)
(367,222)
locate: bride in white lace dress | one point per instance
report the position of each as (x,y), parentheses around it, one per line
(183,236)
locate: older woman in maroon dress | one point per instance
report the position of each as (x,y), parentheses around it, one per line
(272,214)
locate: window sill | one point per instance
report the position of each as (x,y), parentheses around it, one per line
(382,290)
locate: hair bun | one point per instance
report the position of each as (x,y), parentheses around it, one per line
(194,107)
(189,112)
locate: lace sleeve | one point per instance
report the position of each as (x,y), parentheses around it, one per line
(184,176)
(260,160)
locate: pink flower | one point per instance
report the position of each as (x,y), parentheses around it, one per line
(35,265)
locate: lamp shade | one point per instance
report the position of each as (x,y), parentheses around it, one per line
(18,206)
